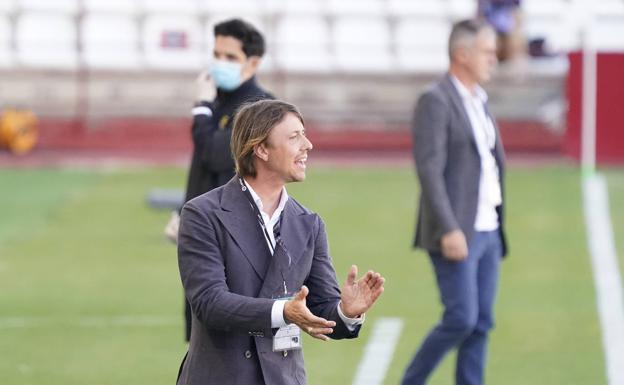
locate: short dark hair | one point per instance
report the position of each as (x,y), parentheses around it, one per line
(249,36)
(465,29)
(252,125)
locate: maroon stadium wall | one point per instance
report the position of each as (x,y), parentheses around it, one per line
(173,135)
(609,110)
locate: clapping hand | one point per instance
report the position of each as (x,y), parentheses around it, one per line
(358,295)
(296,311)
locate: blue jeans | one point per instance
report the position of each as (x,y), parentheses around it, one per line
(467,290)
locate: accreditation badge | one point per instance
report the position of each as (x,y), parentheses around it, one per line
(288,337)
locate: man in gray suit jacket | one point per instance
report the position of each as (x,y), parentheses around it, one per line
(255,264)
(460,164)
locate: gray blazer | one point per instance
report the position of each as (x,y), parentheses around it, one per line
(448,166)
(230,277)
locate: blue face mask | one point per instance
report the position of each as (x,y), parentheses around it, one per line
(226,75)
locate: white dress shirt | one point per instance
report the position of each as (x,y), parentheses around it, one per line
(277,311)
(485,137)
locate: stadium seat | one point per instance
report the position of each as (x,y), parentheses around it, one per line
(55,6)
(561,35)
(362,44)
(169,7)
(421,45)
(46,41)
(7,6)
(232,7)
(298,8)
(607,34)
(110,42)
(587,13)
(608,9)
(462,9)
(128,7)
(551,20)
(172,42)
(533,9)
(302,44)
(6,53)
(425,8)
(356,7)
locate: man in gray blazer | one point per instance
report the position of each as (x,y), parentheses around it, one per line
(255,264)
(460,164)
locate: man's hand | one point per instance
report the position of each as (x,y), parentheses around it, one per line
(358,295)
(454,246)
(205,89)
(296,311)
(172,227)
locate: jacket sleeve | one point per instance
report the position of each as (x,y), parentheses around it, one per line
(203,123)
(324,295)
(203,274)
(430,133)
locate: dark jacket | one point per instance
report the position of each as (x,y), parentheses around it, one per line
(449,167)
(229,278)
(212,164)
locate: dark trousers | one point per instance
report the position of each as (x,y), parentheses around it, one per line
(467,290)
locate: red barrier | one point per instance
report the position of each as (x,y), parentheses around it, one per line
(609,110)
(173,136)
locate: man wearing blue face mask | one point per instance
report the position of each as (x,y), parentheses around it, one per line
(229,83)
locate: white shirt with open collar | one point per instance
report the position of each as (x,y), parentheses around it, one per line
(485,137)
(277,311)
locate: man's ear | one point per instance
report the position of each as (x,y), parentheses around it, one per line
(462,55)
(252,65)
(254,62)
(261,151)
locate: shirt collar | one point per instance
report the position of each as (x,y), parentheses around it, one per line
(465,94)
(258,201)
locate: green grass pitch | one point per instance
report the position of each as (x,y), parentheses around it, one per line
(90,292)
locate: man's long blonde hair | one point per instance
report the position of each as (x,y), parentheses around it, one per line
(252,125)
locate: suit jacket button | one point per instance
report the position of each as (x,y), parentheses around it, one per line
(247,354)
(285,353)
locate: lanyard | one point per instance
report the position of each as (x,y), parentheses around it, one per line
(256,211)
(278,240)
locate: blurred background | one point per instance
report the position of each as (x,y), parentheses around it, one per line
(95,100)
(103,74)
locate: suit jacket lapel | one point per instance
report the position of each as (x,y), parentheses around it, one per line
(296,230)
(240,221)
(450,89)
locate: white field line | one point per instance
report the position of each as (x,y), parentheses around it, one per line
(606,275)
(378,352)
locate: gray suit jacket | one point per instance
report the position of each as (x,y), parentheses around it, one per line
(448,166)
(229,277)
